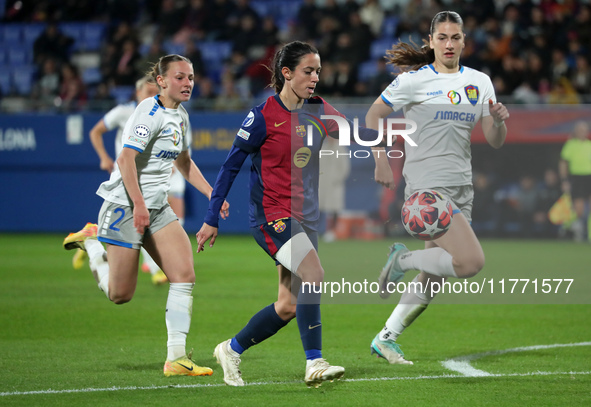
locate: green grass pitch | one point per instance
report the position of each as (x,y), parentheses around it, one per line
(64,344)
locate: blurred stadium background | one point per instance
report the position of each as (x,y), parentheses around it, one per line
(66,63)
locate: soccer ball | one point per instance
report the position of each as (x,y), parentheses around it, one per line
(427,214)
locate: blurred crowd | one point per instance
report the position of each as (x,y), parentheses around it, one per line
(516,208)
(535,51)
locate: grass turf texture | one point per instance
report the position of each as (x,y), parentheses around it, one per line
(58,332)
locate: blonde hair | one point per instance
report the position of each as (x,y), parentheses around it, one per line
(140,83)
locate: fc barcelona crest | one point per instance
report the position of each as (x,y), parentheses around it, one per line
(300,130)
(472,94)
(279,226)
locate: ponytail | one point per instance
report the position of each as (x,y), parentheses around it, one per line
(409,58)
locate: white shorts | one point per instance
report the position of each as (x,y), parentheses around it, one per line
(115,224)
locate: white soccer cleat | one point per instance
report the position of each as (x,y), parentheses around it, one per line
(319,370)
(230,364)
(388,350)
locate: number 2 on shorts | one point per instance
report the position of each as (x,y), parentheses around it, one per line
(112,225)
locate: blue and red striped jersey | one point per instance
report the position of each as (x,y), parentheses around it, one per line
(284,148)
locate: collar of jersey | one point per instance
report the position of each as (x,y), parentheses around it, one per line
(160,105)
(157,97)
(278,99)
(433,69)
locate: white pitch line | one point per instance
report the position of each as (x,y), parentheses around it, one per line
(461,364)
(193,386)
(464,368)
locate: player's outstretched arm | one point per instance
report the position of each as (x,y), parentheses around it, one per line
(206,233)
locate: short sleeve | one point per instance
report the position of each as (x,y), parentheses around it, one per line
(252,132)
(566,152)
(113,117)
(399,92)
(142,126)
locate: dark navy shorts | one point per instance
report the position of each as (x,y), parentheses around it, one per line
(271,236)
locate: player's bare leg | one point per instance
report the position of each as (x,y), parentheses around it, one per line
(456,254)
(461,243)
(170,247)
(177,204)
(123,270)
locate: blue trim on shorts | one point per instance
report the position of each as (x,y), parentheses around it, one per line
(115,242)
(459,211)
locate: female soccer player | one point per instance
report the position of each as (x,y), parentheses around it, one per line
(283,206)
(446,100)
(135,212)
(116,118)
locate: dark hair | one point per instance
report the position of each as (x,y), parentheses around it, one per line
(408,57)
(161,67)
(288,56)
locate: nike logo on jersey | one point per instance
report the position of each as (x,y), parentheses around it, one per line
(190,369)
(279,124)
(312,327)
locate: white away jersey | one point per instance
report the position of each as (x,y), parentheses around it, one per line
(116,118)
(445,107)
(159,134)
